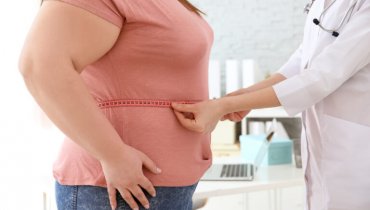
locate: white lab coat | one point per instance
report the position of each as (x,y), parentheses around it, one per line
(329,81)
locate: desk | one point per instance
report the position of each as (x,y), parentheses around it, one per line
(268,178)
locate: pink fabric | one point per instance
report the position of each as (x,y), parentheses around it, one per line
(161,55)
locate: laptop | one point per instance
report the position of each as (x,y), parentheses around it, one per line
(240,171)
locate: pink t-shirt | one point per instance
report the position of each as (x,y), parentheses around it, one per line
(160,56)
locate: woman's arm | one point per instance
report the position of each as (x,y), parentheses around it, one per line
(62,41)
(52,59)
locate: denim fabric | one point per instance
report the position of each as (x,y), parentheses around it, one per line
(96,198)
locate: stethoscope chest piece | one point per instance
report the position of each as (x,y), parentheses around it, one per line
(318,21)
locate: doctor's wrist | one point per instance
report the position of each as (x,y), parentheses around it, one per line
(225,104)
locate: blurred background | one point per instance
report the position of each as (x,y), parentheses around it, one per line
(28,142)
(265,31)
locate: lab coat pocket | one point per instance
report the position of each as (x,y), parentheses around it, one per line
(346,163)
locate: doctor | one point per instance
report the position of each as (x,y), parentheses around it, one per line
(328,80)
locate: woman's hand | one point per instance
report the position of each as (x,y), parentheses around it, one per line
(236,116)
(125,174)
(201,117)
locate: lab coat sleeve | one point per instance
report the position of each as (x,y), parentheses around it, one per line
(336,64)
(293,66)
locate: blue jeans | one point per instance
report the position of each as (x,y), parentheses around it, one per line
(96,198)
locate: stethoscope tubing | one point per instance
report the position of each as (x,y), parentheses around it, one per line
(318,21)
(348,13)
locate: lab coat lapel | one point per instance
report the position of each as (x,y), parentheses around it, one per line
(311,33)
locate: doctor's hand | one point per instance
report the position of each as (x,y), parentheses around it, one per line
(200,117)
(236,116)
(124,173)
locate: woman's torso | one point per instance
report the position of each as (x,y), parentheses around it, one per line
(161,55)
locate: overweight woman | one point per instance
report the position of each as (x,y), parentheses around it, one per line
(328,80)
(106,73)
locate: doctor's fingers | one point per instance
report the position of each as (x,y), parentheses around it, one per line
(226,117)
(191,108)
(238,116)
(189,124)
(229,116)
(235,116)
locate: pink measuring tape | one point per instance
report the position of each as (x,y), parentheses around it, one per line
(141,103)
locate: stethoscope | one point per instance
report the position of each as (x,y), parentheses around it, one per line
(334,32)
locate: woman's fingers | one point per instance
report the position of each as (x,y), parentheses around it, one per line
(147,185)
(149,164)
(140,196)
(126,195)
(128,178)
(112,196)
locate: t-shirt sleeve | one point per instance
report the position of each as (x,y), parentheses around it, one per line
(105,9)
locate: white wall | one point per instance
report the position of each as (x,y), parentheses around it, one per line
(27,149)
(266,30)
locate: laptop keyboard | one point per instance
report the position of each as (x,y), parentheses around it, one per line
(237,170)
